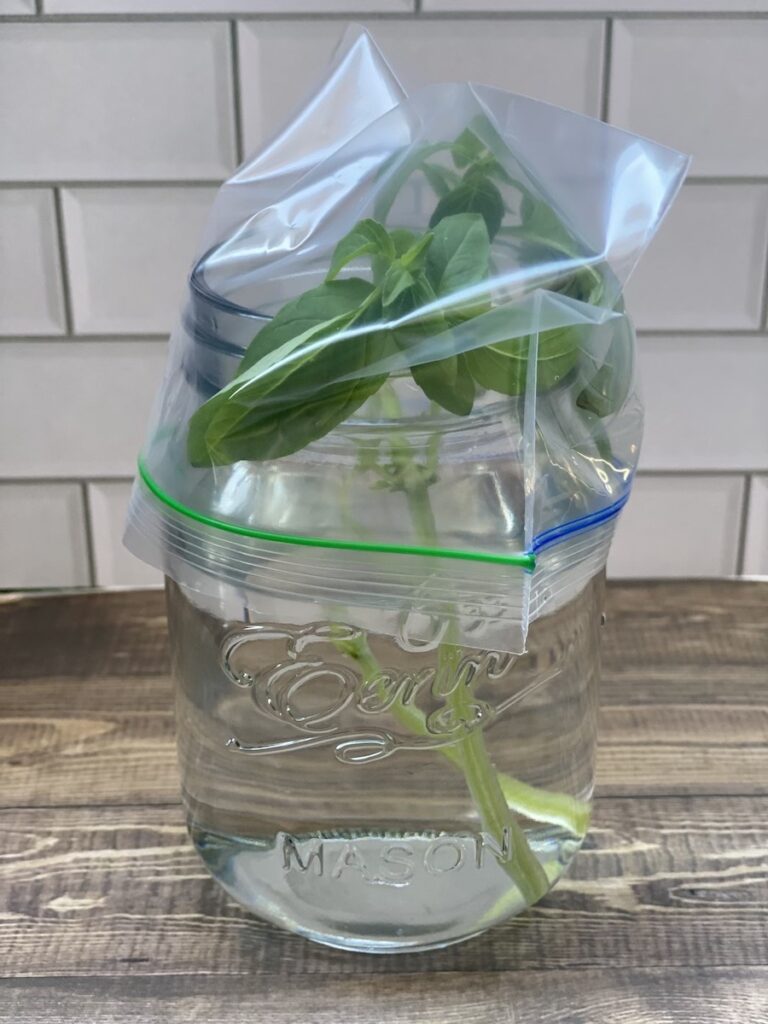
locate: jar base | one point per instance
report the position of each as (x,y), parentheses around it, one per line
(377,891)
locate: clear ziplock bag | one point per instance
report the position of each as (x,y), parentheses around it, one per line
(401,391)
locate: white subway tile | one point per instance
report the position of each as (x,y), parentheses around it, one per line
(75,408)
(42,535)
(679,526)
(129,252)
(30,274)
(706,268)
(705,402)
(698,85)
(17,7)
(115,565)
(756,549)
(142,100)
(601,6)
(225,6)
(283,62)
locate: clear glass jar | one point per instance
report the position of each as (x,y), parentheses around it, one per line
(375,794)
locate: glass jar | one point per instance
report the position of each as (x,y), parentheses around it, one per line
(377,794)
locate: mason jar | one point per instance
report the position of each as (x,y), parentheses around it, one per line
(376,793)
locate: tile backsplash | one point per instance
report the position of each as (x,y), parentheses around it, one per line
(119,118)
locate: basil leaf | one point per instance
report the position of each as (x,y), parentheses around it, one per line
(448,382)
(459,254)
(441,179)
(475,194)
(467,149)
(305,315)
(413,257)
(402,239)
(542,226)
(269,374)
(445,381)
(472,152)
(367,238)
(606,390)
(396,281)
(298,413)
(503,367)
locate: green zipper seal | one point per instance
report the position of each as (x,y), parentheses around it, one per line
(523,561)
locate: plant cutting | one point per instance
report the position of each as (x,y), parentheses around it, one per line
(397,428)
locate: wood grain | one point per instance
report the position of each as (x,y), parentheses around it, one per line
(655,996)
(672,631)
(104,751)
(672,882)
(83,635)
(106,913)
(86,707)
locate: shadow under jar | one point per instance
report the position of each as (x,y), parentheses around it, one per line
(308,818)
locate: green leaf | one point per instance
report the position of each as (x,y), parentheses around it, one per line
(503,367)
(292,419)
(412,257)
(396,281)
(471,151)
(468,148)
(367,238)
(287,390)
(459,254)
(402,239)
(607,388)
(303,317)
(448,382)
(441,179)
(542,226)
(475,194)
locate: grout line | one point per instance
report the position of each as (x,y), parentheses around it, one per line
(531,14)
(102,339)
(702,332)
(688,472)
(605,85)
(63,262)
(741,544)
(691,334)
(116,183)
(48,481)
(81,183)
(237,99)
(127,478)
(764,304)
(726,179)
(89,540)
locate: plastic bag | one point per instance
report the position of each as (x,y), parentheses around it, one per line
(402,388)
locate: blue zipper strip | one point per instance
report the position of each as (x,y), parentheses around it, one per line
(558,533)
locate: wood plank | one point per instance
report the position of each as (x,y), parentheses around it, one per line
(109,738)
(114,744)
(110,892)
(685,641)
(657,634)
(675,996)
(83,635)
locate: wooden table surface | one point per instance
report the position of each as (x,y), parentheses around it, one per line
(106,914)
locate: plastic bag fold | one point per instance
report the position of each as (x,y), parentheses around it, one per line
(402,389)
